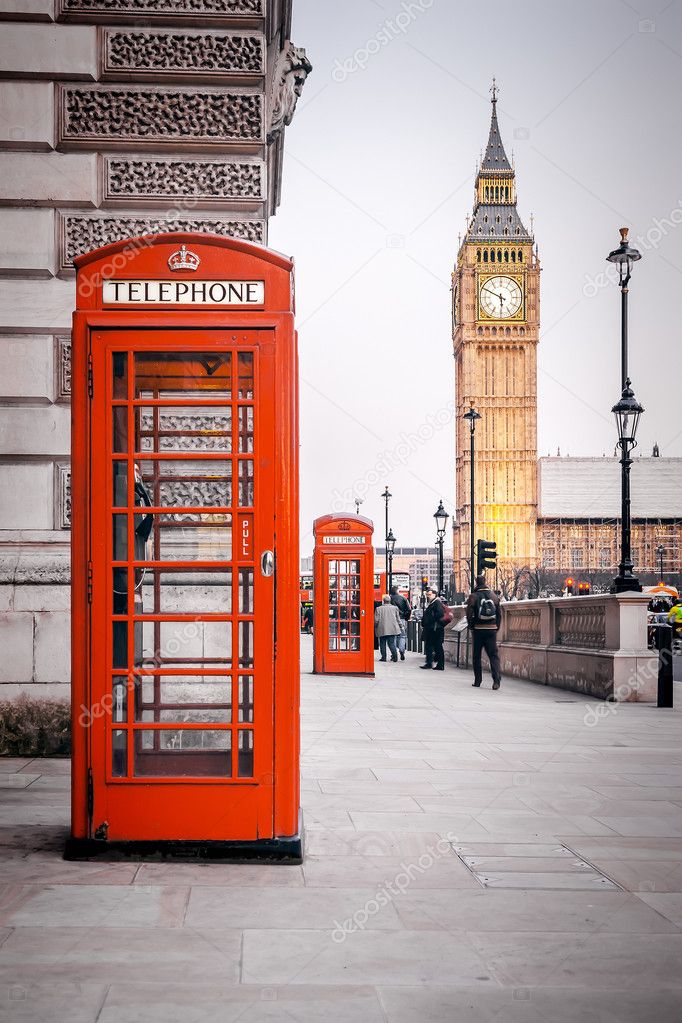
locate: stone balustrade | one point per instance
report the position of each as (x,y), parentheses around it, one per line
(596,645)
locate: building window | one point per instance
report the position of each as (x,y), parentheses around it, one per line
(605,557)
(576,557)
(549,558)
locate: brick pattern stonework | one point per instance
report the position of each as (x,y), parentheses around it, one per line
(112,115)
(191,54)
(127,117)
(191,182)
(79,232)
(161,9)
(62,496)
(63,368)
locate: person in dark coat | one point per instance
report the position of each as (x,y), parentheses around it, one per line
(433,630)
(484,616)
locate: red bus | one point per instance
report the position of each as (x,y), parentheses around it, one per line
(400,579)
(305,596)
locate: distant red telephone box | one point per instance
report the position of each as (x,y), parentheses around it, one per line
(343,595)
(185,565)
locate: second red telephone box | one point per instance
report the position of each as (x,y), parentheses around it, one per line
(343,595)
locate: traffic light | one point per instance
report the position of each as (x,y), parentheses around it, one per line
(486,555)
(569,587)
(425,583)
(583,589)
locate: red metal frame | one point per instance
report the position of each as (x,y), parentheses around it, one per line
(266,804)
(344,614)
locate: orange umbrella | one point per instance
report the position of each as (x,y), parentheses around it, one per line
(671,591)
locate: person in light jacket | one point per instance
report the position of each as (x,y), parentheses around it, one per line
(387,627)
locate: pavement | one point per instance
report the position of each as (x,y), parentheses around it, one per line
(471,856)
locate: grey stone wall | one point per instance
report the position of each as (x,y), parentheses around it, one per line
(117,118)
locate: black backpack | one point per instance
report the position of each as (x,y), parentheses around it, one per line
(486,610)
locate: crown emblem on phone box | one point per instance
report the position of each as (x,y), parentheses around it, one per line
(183,259)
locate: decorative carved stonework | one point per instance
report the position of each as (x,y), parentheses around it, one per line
(62,492)
(523,626)
(214,55)
(291,70)
(110,115)
(80,233)
(170,11)
(581,627)
(63,368)
(186,182)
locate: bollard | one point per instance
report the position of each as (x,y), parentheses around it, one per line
(664,644)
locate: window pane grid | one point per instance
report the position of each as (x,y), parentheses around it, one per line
(344,604)
(176,431)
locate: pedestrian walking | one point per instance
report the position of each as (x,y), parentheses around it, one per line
(308,619)
(433,631)
(484,616)
(387,627)
(404,613)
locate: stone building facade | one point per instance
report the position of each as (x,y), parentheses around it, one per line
(553,516)
(117,118)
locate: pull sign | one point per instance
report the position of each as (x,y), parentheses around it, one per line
(245,537)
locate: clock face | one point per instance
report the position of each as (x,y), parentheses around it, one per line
(500,297)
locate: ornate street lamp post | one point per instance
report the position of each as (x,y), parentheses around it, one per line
(660,550)
(472,415)
(387,495)
(441,517)
(627,412)
(390,547)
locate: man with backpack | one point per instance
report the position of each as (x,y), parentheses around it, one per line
(483,616)
(434,620)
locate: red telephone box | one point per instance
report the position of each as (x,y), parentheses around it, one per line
(343,596)
(185,498)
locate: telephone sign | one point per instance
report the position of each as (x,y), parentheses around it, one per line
(185,458)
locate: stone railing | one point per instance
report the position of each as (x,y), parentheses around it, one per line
(523,624)
(595,645)
(580,626)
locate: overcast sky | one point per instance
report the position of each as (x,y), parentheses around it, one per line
(379,172)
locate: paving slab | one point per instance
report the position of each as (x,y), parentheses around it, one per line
(386,919)
(519,1004)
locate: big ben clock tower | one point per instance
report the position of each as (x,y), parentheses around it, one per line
(495,324)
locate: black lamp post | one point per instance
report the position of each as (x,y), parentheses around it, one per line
(441,517)
(387,495)
(472,415)
(627,412)
(390,547)
(623,257)
(660,550)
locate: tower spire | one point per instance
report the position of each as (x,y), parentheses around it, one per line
(495,158)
